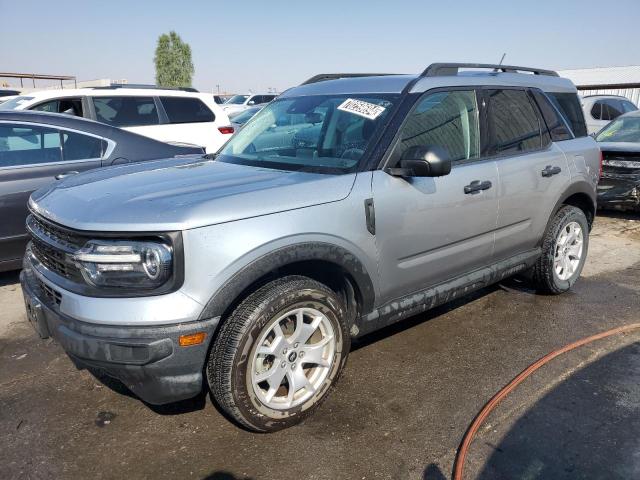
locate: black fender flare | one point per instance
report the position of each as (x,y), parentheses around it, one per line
(581,186)
(225,296)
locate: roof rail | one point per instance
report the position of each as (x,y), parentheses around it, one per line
(446,69)
(115,86)
(334,76)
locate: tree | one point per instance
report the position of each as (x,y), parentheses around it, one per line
(174,67)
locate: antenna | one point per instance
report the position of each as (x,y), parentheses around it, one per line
(502,59)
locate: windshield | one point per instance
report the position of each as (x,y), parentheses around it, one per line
(14,103)
(237,99)
(624,129)
(323,133)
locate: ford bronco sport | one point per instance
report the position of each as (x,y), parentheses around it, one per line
(345,205)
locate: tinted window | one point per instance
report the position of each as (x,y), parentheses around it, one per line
(76,146)
(513,123)
(596,111)
(628,106)
(186,110)
(68,106)
(126,111)
(569,106)
(24,145)
(445,119)
(554,122)
(614,108)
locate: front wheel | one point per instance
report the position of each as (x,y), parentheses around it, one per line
(278,354)
(564,251)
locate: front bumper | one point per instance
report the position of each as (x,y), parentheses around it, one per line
(147,359)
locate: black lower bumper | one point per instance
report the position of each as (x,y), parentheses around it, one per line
(619,191)
(148,360)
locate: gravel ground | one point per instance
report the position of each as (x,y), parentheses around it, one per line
(400,410)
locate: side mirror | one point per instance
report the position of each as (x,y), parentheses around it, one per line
(423,161)
(251,102)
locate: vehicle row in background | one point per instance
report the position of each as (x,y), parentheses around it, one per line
(38,148)
(238,103)
(167,115)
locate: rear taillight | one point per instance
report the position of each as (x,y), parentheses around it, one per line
(601,161)
(226,130)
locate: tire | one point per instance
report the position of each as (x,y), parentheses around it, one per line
(550,274)
(250,373)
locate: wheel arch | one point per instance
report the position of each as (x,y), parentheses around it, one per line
(581,195)
(330,264)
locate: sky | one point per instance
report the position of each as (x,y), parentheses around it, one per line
(251,45)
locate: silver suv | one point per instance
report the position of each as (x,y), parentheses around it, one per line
(345,205)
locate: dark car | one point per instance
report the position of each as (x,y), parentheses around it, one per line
(619,186)
(38,148)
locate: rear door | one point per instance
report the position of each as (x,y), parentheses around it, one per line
(429,230)
(533,170)
(31,156)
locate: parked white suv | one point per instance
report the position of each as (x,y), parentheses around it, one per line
(172,116)
(599,110)
(238,103)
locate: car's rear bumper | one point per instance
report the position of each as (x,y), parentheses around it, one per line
(147,359)
(620,192)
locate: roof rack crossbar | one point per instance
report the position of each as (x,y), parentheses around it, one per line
(447,69)
(334,76)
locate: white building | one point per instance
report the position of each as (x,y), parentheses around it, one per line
(624,81)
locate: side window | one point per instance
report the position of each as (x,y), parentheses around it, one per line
(126,111)
(628,106)
(554,122)
(25,145)
(615,108)
(513,124)
(596,111)
(267,98)
(68,106)
(569,106)
(76,146)
(445,119)
(186,110)
(50,106)
(256,99)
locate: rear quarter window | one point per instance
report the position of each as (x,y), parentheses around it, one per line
(186,110)
(569,106)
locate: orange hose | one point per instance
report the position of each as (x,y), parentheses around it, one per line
(458,471)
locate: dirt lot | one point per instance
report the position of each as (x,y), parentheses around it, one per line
(400,410)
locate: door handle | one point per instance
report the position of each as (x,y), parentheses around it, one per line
(477,186)
(550,171)
(60,176)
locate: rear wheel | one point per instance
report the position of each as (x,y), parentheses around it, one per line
(279,353)
(564,251)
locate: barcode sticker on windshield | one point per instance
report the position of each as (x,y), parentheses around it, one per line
(364,109)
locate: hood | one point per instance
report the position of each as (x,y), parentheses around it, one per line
(179,194)
(630,147)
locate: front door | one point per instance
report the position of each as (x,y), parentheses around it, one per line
(430,230)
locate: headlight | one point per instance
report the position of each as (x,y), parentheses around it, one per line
(120,263)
